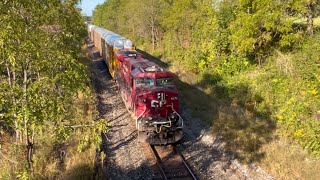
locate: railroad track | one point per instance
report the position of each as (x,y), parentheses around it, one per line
(170,163)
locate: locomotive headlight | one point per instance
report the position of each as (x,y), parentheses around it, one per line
(142,100)
(173,117)
(174,98)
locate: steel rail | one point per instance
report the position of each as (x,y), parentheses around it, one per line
(160,165)
(158,159)
(184,162)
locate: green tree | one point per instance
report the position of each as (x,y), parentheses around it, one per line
(40,75)
(306,8)
(257,26)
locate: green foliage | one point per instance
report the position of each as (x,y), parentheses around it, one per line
(294,94)
(258,26)
(225,41)
(304,6)
(40,73)
(93,134)
(23,175)
(233,65)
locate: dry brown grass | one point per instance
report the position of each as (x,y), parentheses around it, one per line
(12,159)
(284,63)
(64,161)
(78,165)
(286,160)
(85,56)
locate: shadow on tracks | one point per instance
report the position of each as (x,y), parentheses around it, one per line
(117,139)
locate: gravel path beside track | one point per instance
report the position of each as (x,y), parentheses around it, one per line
(205,153)
(125,159)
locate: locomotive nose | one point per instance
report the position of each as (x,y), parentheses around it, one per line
(157,103)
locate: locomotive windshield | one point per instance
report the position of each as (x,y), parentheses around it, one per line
(144,82)
(164,81)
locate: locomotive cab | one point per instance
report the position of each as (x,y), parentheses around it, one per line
(155,106)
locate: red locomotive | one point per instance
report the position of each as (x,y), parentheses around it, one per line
(147,90)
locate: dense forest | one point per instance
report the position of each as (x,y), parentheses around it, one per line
(260,56)
(44,90)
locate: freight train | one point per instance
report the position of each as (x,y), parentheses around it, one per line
(147,90)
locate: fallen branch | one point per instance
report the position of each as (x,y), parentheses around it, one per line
(79,126)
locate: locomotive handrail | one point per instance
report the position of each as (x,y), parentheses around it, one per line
(145,108)
(182,123)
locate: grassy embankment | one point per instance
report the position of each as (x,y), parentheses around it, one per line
(54,159)
(258,111)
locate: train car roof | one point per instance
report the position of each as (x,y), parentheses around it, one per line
(91,26)
(112,38)
(102,31)
(118,41)
(94,28)
(104,36)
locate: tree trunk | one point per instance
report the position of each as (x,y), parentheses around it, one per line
(24,103)
(153,24)
(310,23)
(11,81)
(152,36)
(284,6)
(30,153)
(133,30)
(18,134)
(28,139)
(310,19)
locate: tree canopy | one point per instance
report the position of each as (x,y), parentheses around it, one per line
(229,39)
(40,75)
